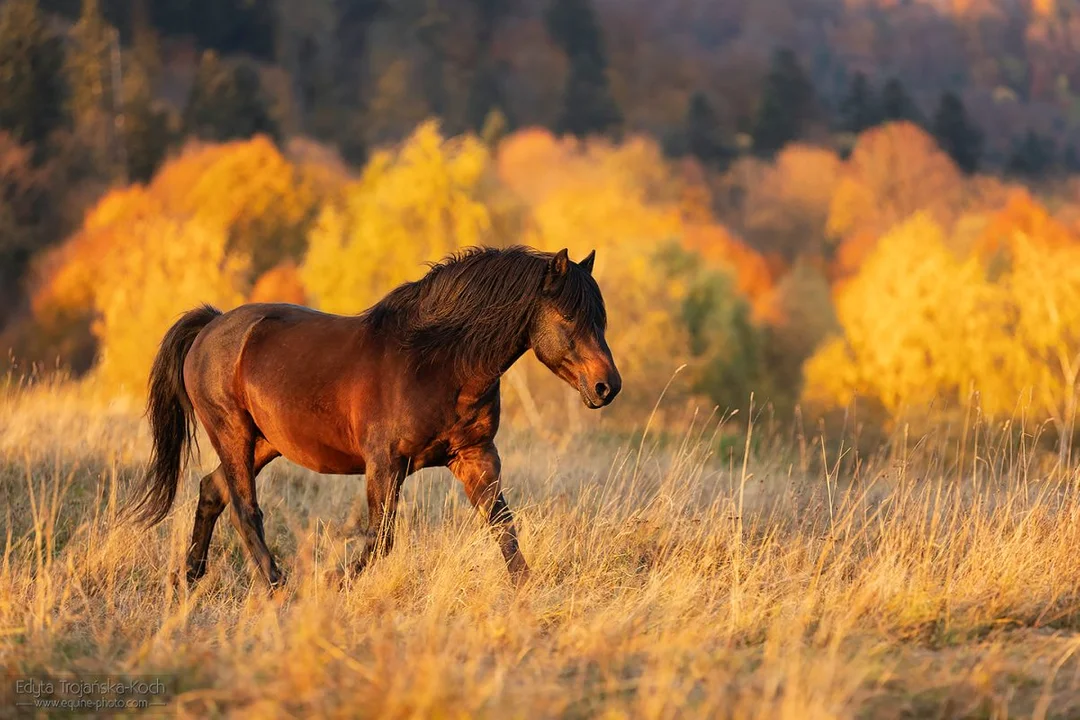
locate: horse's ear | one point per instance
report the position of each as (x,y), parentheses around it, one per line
(587,263)
(556,271)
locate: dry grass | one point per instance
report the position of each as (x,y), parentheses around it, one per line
(935,581)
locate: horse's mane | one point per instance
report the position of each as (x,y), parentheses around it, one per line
(475,307)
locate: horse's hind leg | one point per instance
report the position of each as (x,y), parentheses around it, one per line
(213,491)
(235,441)
(213,497)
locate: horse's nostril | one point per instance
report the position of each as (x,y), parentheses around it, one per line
(602,390)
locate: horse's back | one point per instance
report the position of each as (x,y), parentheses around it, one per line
(220,346)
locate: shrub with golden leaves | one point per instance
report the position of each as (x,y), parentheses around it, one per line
(153,272)
(906,319)
(208,222)
(921,325)
(411,205)
(894,171)
(262,200)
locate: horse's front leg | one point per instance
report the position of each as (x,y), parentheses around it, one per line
(479,470)
(383,489)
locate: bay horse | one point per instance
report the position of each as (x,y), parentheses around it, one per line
(412,382)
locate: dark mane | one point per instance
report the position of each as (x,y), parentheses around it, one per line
(474,308)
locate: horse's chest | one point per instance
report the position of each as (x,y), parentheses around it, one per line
(436,440)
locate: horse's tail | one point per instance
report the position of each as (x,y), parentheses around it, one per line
(172,419)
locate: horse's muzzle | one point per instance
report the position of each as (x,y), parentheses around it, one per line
(596,394)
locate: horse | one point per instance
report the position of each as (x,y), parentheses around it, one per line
(411,382)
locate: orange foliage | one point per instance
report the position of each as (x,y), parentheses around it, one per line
(70,273)
(211,220)
(894,171)
(1022,217)
(753,277)
(594,193)
(281,283)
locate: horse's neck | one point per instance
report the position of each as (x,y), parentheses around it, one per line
(483,379)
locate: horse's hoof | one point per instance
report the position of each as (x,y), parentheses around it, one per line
(276,583)
(520,577)
(360,564)
(183,580)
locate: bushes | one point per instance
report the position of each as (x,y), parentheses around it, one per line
(975,290)
(210,222)
(412,205)
(922,325)
(224,223)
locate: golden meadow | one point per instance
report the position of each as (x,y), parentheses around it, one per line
(835,484)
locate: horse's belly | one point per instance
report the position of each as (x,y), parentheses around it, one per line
(318,439)
(314,453)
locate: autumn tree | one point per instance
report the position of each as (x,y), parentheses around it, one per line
(893,171)
(31,81)
(997,325)
(155,270)
(210,223)
(411,205)
(911,320)
(1041,342)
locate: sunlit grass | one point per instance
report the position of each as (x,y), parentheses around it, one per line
(937,578)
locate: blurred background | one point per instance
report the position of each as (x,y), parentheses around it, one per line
(810,201)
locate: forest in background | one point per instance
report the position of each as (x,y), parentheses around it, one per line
(807,201)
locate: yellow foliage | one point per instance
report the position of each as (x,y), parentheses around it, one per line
(249,189)
(831,375)
(413,205)
(153,271)
(920,324)
(211,219)
(894,171)
(906,318)
(1041,336)
(73,271)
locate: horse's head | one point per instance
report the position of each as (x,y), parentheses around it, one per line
(567,333)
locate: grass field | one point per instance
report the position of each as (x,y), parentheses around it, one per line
(672,578)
